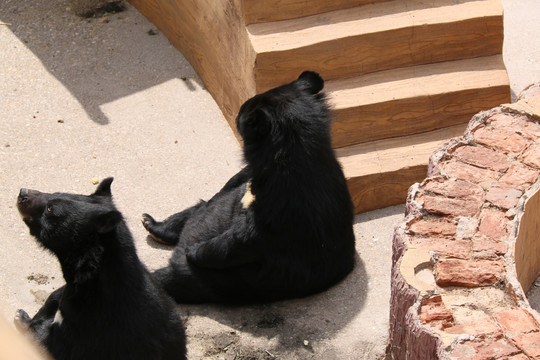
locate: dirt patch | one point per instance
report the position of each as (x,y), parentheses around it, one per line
(97,8)
(228,346)
(38,278)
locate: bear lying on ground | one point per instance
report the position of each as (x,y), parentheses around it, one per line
(280,228)
(109,307)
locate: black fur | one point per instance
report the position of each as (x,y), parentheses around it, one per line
(110,307)
(296,238)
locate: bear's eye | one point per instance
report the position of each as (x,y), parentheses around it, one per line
(49,209)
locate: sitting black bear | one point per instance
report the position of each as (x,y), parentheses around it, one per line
(280,228)
(109,307)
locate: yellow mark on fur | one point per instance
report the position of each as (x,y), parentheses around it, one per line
(248,198)
(58,318)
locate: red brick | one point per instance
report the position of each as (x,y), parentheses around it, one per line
(433,227)
(482,157)
(519,123)
(531,156)
(493,224)
(454,188)
(484,350)
(433,309)
(445,248)
(469,273)
(449,206)
(495,349)
(503,195)
(485,245)
(520,177)
(479,329)
(517,357)
(516,321)
(459,170)
(500,139)
(529,343)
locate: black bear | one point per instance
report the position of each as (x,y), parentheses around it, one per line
(110,307)
(280,228)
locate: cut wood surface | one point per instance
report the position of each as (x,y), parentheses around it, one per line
(527,246)
(416,99)
(256,11)
(380,172)
(372,38)
(379,190)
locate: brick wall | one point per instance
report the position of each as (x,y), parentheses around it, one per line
(470,244)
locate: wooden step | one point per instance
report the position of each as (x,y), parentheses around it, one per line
(382,36)
(379,173)
(416,99)
(256,11)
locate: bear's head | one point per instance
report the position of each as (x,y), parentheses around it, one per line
(286,124)
(69,223)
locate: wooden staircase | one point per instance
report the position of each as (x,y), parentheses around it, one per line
(403,76)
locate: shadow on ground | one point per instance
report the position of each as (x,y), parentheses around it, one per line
(289,327)
(81,55)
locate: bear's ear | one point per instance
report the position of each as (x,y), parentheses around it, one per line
(106,221)
(310,81)
(104,187)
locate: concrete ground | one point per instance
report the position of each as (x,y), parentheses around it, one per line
(109,96)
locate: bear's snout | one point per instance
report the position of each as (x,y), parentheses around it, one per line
(23,194)
(30,203)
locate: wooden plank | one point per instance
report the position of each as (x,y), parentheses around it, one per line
(417,99)
(212,36)
(390,155)
(390,35)
(379,173)
(377,191)
(527,246)
(256,11)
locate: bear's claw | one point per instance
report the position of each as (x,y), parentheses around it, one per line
(149,221)
(21,320)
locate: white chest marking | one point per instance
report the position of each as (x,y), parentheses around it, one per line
(58,318)
(248,198)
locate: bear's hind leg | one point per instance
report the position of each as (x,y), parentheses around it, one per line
(182,286)
(168,231)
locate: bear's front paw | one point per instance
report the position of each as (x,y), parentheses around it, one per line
(149,224)
(22,320)
(147,221)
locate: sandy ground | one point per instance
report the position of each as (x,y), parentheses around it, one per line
(111,97)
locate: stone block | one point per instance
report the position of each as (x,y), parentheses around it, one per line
(493,224)
(529,343)
(479,329)
(444,248)
(433,309)
(520,177)
(457,169)
(500,139)
(491,246)
(531,156)
(450,206)
(484,350)
(517,321)
(482,157)
(454,188)
(469,273)
(438,227)
(503,195)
